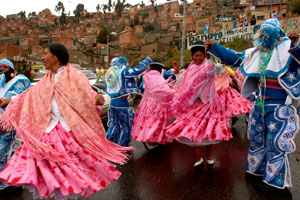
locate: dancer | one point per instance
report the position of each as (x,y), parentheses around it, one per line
(11,86)
(232,101)
(271,70)
(119,83)
(65,153)
(153,113)
(201,119)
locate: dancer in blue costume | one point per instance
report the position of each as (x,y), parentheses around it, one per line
(272,69)
(120,81)
(10,86)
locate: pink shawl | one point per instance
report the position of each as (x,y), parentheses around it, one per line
(157,87)
(30,112)
(198,82)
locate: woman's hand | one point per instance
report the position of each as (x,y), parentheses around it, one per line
(4,102)
(208,45)
(100,100)
(294,37)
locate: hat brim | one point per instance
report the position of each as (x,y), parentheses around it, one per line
(157,63)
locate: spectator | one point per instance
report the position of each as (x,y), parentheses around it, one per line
(245,23)
(253,20)
(234,23)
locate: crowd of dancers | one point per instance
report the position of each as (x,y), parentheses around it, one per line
(60,148)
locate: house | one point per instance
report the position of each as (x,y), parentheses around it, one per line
(128,39)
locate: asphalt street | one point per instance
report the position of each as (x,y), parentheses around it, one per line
(167,172)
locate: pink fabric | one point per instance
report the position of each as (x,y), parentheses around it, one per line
(202,119)
(29,113)
(200,123)
(222,80)
(86,175)
(153,113)
(198,82)
(232,101)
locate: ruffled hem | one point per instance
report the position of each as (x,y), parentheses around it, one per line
(201,122)
(233,103)
(84,176)
(150,119)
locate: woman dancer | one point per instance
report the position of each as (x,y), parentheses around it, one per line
(65,153)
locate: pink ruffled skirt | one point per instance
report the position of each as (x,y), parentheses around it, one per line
(85,176)
(150,119)
(200,125)
(233,102)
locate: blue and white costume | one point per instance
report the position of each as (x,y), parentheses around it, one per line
(274,75)
(120,81)
(8,142)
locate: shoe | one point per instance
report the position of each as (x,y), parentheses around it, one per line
(210,162)
(199,162)
(234,120)
(263,187)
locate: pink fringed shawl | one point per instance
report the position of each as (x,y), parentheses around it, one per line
(198,82)
(29,113)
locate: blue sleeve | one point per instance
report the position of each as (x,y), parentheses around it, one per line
(226,55)
(131,72)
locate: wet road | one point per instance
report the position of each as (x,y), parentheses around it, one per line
(167,172)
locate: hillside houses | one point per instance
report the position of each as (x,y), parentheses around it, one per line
(138,28)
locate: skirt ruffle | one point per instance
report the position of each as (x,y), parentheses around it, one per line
(84,176)
(233,103)
(200,124)
(150,119)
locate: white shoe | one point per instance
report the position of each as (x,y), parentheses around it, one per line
(210,162)
(199,162)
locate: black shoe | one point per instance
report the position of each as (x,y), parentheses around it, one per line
(11,190)
(234,120)
(263,187)
(252,178)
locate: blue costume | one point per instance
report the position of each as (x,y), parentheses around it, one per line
(8,142)
(272,70)
(119,83)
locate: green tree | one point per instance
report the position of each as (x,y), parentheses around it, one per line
(149,27)
(60,8)
(120,6)
(98,7)
(296,6)
(154,4)
(136,20)
(79,11)
(102,36)
(32,14)
(22,14)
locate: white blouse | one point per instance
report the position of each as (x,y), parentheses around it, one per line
(56,115)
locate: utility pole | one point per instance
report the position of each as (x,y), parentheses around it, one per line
(107,51)
(183,35)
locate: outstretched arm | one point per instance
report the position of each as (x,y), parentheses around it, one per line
(131,72)
(226,55)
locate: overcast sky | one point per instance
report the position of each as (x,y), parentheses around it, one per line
(14,6)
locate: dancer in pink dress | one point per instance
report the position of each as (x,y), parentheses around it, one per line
(201,119)
(232,101)
(65,153)
(153,113)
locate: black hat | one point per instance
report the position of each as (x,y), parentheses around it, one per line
(198,46)
(157,61)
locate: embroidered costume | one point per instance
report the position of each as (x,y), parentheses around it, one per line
(119,83)
(153,113)
(65,153)
(9,143)
(272,71)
